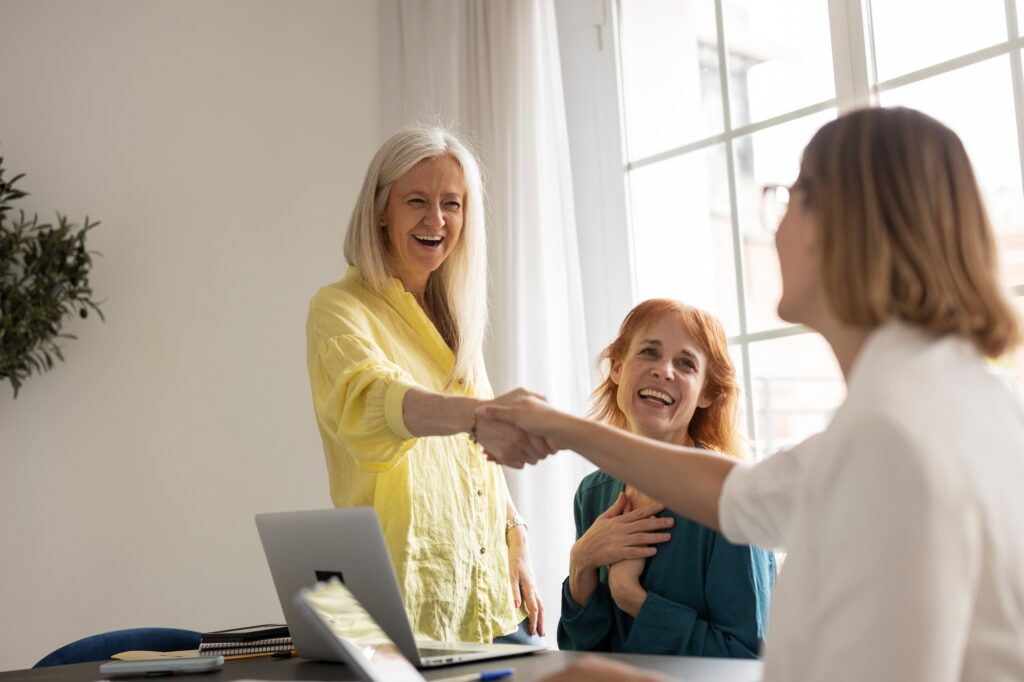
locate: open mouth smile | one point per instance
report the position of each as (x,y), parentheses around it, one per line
(655,396)
(432,241)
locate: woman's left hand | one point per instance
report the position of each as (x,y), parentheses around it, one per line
(524,584)
(624,584)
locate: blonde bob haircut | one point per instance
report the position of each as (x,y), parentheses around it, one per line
(903,228)
(714,427)
(457,291)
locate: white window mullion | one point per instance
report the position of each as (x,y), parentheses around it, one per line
(852,61)
(737,237)
(1017,74)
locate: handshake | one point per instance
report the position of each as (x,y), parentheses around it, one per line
(518,428)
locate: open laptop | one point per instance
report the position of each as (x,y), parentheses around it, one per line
(305,547)
(352,634)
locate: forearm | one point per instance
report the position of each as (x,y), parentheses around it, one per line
(582,580)
(628,595)
(687,480)
(431,414)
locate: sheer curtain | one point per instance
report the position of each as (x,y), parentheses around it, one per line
(492,67)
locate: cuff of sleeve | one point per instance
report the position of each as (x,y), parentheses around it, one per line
(393,407)
(733,489)
(651,633)
(594,611)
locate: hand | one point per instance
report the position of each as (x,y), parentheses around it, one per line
(524,584)
(594,669)
(507,444)
(624,585)
(527,412)
(621,533)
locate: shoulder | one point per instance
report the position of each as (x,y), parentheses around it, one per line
(344,307)
(599,487)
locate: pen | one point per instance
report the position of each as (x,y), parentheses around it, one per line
(486,675)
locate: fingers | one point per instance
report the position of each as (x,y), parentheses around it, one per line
(646,510)
(651,523)
(532,608)
(517,595)
(618,506)
(510,445)
(649,538)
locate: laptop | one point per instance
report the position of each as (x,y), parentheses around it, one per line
(307,547)
(353,636)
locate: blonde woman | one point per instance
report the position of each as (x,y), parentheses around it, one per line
(395,367)
(641,579)
(903,519)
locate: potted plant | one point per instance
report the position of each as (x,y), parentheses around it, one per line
(44,279)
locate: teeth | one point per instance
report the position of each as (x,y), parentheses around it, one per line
(433,239)
(657,395)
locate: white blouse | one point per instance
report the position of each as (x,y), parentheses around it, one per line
(903,522)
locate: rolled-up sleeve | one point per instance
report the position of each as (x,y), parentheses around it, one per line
(358,395)
(757,500)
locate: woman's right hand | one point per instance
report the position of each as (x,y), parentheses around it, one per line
(620,533)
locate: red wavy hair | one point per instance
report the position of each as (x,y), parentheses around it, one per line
(713,427)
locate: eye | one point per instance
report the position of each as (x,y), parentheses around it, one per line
(686,362)
(649,352)
(416,201)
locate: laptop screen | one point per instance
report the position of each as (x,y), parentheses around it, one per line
(370,651)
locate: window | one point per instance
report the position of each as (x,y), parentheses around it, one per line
(719,97)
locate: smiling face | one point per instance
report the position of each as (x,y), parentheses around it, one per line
(660,381)
(423,218)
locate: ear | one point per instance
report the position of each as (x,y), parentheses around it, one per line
(616,372)
(705,401)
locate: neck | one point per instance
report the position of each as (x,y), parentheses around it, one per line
(414,283)
(846,342)
(675,437)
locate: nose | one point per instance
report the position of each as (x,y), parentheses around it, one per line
(434,216)
(663,371)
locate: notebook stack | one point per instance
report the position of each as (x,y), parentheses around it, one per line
(257,640)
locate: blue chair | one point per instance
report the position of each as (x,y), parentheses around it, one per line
(101,647)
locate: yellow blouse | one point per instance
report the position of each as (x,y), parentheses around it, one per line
(441,504)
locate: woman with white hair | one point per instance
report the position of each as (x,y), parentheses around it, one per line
(396,370)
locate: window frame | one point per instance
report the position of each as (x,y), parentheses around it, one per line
(591,58)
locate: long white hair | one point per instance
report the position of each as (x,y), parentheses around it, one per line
(457,291)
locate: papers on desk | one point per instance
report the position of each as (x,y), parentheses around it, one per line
(149,655)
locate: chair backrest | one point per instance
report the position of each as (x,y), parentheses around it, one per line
(101,647)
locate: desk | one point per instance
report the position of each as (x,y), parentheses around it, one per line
(528,668)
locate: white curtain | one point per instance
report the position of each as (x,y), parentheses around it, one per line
(492,67)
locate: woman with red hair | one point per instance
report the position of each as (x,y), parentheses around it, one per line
(643,579)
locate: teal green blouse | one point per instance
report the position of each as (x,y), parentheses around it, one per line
(706,596)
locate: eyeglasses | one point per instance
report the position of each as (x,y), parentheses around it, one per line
(774,204)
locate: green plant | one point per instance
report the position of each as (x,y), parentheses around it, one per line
(44,278)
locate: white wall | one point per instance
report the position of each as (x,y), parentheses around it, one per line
(221,143)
